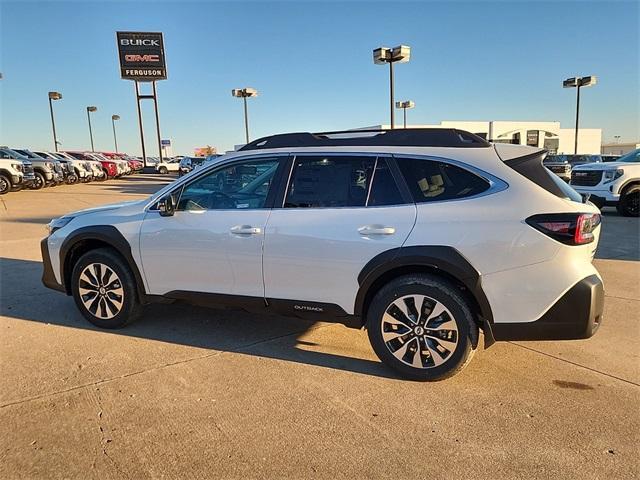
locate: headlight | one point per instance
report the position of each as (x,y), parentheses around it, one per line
(49,165)
(611,175)
(17,166)
(58,223)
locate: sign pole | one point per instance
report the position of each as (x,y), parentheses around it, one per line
(144,153)
(155,104)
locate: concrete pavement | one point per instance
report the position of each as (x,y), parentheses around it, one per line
(195,393)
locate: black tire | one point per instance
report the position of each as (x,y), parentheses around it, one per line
(446,294)
(163,170)
(629,203)
(597,201)
(39,182)
(5,184)
(130,307)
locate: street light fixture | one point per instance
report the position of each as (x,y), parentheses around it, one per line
(245,93)
(577,82)
(113,124)
(382,55)
(54,96)
(404,106)
(89,110)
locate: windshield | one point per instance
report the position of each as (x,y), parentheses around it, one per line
(631,156)
(28,154)
(14,154)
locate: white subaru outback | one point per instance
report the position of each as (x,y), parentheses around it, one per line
(422,236)
(612,183)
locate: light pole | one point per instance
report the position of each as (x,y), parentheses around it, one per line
(616,138)
(401,54)
(577,82)
(54,96)
(89,110)
(113,124)
(245,93)
(404,105)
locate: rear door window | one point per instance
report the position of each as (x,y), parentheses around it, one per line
(431,181)
(329,181)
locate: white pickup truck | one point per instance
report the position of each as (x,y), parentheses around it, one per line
(612,183)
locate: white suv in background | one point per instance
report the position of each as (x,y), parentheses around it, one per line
(168,165)
(612,183)
(422,236)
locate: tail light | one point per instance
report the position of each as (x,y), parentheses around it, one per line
(567,228)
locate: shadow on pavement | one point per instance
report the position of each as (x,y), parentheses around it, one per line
(619,237)
(221,330)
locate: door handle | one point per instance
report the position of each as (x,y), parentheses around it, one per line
(376,230)
(245,230)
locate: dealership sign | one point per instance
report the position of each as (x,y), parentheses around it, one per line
(141,56)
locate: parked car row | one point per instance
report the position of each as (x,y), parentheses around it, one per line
(23,168)
(608,180)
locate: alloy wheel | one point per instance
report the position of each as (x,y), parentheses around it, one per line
(419,331)
(101,291)
(4,185)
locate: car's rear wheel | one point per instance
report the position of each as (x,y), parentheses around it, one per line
(629,203)
(104,289)
(422,327)
(163,170)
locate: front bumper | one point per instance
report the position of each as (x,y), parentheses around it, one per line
(576,315)
(604,194)
(48,277)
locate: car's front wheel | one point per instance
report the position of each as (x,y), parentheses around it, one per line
(422,327)
(629,203)
(5,184)
(163,170)
(104,289)
(39,182)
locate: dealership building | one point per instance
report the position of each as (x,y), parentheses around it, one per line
(547,135)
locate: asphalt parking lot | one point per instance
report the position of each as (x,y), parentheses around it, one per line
(195,393)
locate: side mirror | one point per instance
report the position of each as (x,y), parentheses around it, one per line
(167,206)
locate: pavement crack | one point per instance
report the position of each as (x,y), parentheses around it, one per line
(104,441)
(576,364)
(622,298)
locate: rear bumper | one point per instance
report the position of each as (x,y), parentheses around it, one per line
(576,315)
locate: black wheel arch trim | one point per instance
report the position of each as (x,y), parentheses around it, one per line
(109,235)
(439,257)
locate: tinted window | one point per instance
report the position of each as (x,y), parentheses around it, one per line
(384,190)
(238,186)
(329,181)
(431,181)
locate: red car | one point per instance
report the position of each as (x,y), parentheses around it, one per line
(109,168)
(134,164)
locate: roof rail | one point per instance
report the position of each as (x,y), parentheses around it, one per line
(402,137)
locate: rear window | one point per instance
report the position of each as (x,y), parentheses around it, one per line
(431,181)
(530,166)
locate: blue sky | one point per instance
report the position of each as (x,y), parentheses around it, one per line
(311,62)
